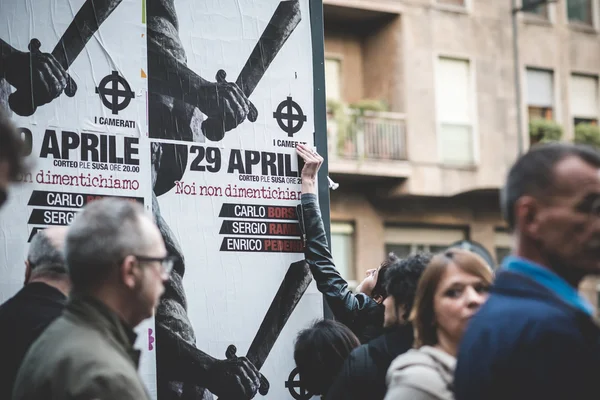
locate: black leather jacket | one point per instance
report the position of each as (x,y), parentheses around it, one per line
(358,311)
(362,375)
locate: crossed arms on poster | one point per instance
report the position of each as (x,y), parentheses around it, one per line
(40,77)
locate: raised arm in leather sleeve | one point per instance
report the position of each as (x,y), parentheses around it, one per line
(345,305)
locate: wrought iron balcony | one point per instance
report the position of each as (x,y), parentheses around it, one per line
(370,135)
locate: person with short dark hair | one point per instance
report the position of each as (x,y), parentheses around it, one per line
(11,155)
(363,373)
(319,352)
(361,311)
(451,290)
(401,286)
(536,337)
(117,263)
(28,313)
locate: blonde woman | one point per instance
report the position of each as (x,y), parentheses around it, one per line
(451,290)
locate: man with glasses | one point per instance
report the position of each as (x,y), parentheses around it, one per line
(535,338)
(11,155)
(118,264)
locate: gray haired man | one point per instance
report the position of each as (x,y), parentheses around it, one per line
(117,263)
(27,314)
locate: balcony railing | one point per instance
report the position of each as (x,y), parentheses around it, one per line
(370,136)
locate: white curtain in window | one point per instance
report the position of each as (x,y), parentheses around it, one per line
(453,91)
(456,144)
(342,249)
(455,111)
(584,96)
(333,79)
(540,88)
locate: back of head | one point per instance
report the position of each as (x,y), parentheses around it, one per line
(46,254)
(533,173)
(402,278)
(100,237)
(12,149)
(379,288)
(423,313)
(320,351)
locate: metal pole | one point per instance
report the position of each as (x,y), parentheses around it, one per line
(515,27)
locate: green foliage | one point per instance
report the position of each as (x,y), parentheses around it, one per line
(342,120)
(543,130)
(587,134)
(334,106)
(346,117)
(369,105)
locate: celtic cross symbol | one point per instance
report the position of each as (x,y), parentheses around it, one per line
(292,384)
(292,120)
(110,96)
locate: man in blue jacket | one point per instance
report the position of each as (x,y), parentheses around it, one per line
(535,338)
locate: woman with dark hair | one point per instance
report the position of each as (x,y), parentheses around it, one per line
(319,353)
(361,311)
(452,288)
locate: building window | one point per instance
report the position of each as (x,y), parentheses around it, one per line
(502,245)
(404,241)
(342,249)
(580,11)
(541,10)
(540,94)
(454,95)
(501,254)
(333,76)
(584,99)
(452,2)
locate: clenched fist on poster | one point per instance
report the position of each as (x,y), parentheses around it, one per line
(34,71)
(236,378)
(225,101)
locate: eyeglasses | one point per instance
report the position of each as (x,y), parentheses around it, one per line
(166,263)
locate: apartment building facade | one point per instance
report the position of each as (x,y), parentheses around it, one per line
(431,130)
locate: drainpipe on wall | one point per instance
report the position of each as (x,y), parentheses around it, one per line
(515,27)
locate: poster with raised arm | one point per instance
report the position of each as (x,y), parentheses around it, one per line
(230,95)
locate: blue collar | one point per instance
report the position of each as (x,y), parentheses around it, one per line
(550,281)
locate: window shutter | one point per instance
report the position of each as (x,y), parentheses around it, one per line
(454,111)
(540,92)
(584,96)
(453,91)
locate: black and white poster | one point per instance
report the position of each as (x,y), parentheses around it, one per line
(230,95)
(74,81)
(194,109)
